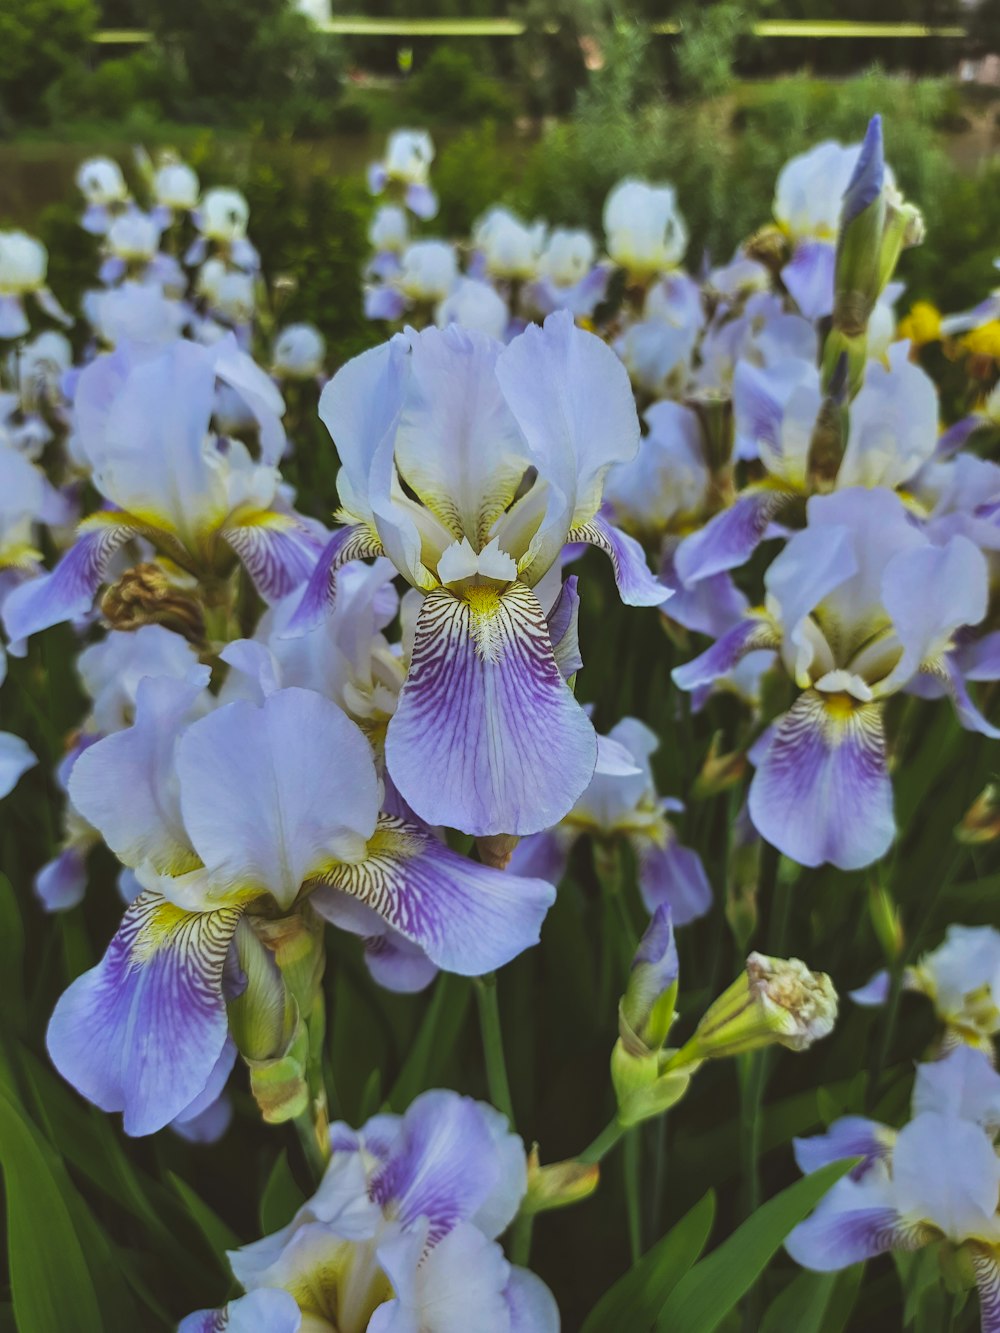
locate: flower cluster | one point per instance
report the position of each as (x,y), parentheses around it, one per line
(372,724)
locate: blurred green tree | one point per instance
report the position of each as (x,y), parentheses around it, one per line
(39,39)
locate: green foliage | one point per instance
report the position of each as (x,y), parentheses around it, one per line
(39,40)
(637,1298)
(450,84)
(706,51)
(472,172)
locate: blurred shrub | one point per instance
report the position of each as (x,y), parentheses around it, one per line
(706,51)
(39,41)
(451,83)
(472,172)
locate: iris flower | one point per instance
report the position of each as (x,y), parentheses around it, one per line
(471,466)
(230,821)
(143,423)
(860,603)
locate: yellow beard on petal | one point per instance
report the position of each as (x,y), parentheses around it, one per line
(484,604)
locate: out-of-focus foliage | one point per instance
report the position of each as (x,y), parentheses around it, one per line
(39,40)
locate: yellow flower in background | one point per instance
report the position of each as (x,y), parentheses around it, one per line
(922,325)
(984,341)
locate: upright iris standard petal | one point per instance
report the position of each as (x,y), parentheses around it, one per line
(674,875)
(124,784)
(851,1136)
(808,275)
(456,1286)
(272,794)
(822,791)
(466,917)
(142,1032)
(487,736)
(572,400)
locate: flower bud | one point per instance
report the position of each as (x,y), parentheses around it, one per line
(981,822)
(558,1184)
(280,1086)
(145,595)
(648,1005)
(886,922)
(776,1001)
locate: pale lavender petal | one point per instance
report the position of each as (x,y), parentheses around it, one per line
(868,176)
(637,586)
(952,440)
(846,1230)
(444,1165)
(377,177)
(730,538)
(563,625)
(963,1084)
(466,917)
(68,592)
(873,993)
(13,321)
(851,1136)
(398,964)
(207,1126)
(266,1310)
(808,275)
(16,758)
(455,1286)
(142,1031)
(421,201)
(384,302)
(711,606)
(674,876)
(543,855)
(965,709)
(751,634)
(531,1305)
(62,882)
(822,791)
(488,737)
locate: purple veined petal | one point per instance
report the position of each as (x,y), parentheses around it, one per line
(755,631)
(851,1136)
(142,1031)
(13,321)
(355,542)
(444,1165)
(874,993)
(16,758)
(730,538)
(821,791)
(808,275)
(531,1305)
(986,1264)
(563,625)
(421,201)
(68,591)
(637,585)
(674,876)
(62,882)
(209,1125)
(543,855)
(457,1285)
(384,301)
(466,917)
(265,1309)
(277,550)
(855,1221)
(487,736)
(398,964)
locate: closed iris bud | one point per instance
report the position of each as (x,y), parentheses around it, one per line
(647,1008)
(776,1001)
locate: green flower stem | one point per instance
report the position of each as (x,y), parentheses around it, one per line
(631,1159)
(603,1144)
(520,1239)
(496,1065)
